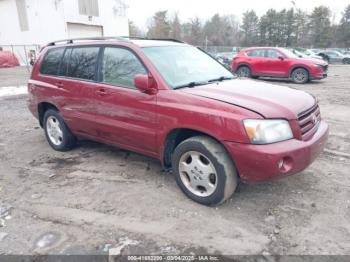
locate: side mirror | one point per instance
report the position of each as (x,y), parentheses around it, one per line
(281,58)
(145,83)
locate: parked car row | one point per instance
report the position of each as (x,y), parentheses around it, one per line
(176,103)
(333,56)
(278,62)
(225,57)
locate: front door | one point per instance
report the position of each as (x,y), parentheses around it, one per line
(124,115)
(277,63)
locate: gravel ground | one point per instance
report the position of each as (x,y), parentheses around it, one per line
(98,198)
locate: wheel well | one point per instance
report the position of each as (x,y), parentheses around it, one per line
(42,108)
(242,65)
(174,138)
(298,67)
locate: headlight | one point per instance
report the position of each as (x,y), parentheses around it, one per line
(317,65)
(267,131)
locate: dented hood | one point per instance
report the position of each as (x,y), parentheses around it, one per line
(270,101)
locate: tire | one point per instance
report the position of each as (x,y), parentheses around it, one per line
(300,76)
(204,171)
(244,71)
(255,77)
(57,133)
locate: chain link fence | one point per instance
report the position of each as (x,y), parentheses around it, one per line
(220,49)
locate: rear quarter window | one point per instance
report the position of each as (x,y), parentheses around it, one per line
(51,61)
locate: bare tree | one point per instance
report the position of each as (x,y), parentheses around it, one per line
(250,28)
(160,25)
(176,28)
(134,30)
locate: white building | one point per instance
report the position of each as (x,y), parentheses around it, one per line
(37,22)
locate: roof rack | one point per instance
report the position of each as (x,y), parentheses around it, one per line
(156,39)
(72,40)
(117,38)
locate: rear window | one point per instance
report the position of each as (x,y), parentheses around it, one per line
(82,62)
(51,62)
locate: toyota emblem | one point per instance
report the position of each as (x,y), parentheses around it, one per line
(314,119)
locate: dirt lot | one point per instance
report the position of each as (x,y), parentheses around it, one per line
(98,198)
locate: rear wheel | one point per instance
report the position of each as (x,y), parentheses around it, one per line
(57,133)
(244,71)
(300,76)
(204,171)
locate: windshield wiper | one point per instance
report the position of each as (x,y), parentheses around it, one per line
(191,84)
(221,78)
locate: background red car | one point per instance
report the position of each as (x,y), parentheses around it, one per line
(278,62)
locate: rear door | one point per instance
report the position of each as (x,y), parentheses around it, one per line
(276,66)
(78,70)
(66,83)
(124,115)
(257,61)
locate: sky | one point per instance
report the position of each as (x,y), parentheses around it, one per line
(139,11)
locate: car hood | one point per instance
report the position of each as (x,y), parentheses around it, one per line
(270,101)
(312,59)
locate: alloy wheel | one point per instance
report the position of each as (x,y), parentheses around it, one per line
(198,173)
(300,76)
(54,130)
(243,72)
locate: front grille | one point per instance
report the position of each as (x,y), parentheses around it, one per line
(309,121)
(325,68)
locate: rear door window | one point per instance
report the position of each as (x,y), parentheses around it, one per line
(51,62)
(65,62)
(119,67)
(82,62)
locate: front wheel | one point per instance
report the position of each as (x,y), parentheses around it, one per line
(204,171)
(300,76)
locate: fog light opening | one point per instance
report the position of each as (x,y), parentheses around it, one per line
(285,164)
(280,164)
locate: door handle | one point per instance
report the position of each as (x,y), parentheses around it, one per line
(59,85)
(101,92)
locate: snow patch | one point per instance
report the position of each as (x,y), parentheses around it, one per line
(13,90)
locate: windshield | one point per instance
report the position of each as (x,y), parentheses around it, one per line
(289,53)
(338,53)
(181,65)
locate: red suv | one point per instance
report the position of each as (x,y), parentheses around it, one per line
(278,62)
(173,102)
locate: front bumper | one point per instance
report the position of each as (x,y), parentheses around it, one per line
(257,163)
(319,73)
(319,76)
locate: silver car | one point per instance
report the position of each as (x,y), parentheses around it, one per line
(335,57)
